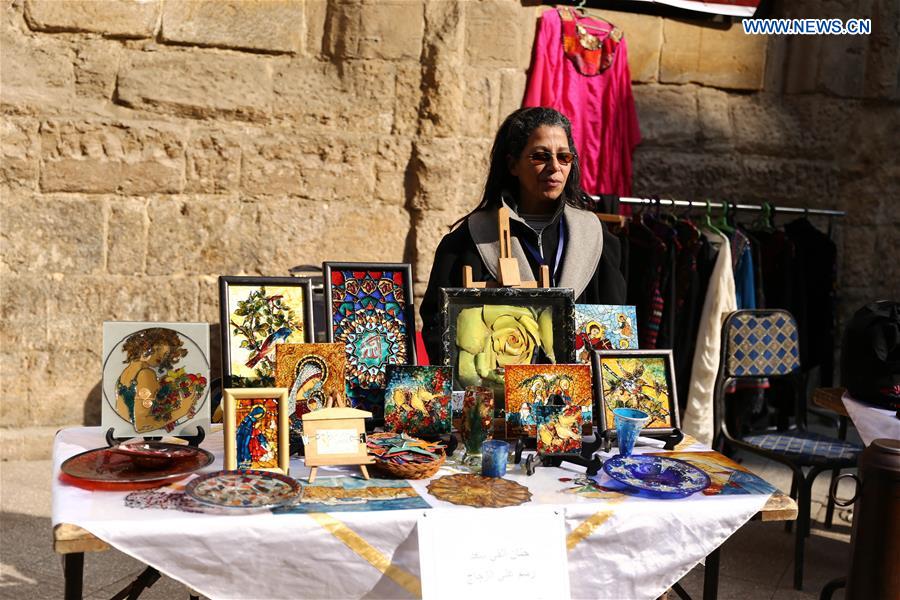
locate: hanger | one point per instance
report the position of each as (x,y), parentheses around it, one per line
(722,224)
(707,221)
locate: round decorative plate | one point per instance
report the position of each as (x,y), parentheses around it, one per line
(153,455)
(475,490)
(111,466)
(661,475)
(246,489)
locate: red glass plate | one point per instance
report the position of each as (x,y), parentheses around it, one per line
(108,466)
(153,455)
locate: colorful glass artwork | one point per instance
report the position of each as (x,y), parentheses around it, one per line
(370,314)
(726,476)
(558,428)
(477,422)
(638,381)
(109,465)
(258,314)
(256,426)
(417,400)
(478,491)
(155,378)
(243,489)
(531,386)
(354,494)
(312,373)
(604,327)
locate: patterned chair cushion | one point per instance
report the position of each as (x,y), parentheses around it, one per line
(807,448)
(762,343)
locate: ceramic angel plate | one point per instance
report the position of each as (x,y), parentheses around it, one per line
(155,378)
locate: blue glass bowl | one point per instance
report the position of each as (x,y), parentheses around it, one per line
(658,476)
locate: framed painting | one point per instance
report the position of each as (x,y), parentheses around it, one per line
(486,330)
(257,314)
(558,429)
(370,311)
(604,327)
(312,373)
(641,379)
(256,429)
(155,378)
(417,400)
(531,388)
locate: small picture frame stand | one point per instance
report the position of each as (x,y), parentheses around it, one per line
(336,435)
(192,440)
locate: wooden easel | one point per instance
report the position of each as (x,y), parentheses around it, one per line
(509,266)
(336,416)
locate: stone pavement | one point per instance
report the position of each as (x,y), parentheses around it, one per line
(756,561)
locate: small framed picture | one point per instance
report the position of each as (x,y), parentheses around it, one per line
(256,429)
(369,308)
(257,314)
(641,379)
(487,330)
(604,327)
(530,389)
(558,429)
(417,400)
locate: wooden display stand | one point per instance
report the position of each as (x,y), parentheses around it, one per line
(336,435)
(509,266)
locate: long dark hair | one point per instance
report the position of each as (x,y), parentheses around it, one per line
(510,141)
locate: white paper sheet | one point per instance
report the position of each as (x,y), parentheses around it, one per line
(518,553)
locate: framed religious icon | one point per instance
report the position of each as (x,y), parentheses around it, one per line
(256,315)
(486,330)
(312,373)
(417,400)
(256,429)
(537,394)
(604,327)
(370,311)
(641,379)
(155,378)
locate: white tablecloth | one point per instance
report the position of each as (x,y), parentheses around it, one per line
(872,422)
(619,547)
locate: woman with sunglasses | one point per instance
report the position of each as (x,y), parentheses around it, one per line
(534,172)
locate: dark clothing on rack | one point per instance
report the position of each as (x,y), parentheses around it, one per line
(646,255)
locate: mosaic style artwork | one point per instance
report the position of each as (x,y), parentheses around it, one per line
(642,382)
(369,315)
(312,373)
(726,476)
(417,400)
(604,327)
(155,378)
(531,386)
(478,491)
(558,428)
(247,489)
(256,426)
(256,318)
(355,494)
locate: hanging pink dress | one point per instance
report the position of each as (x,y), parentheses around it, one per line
(579,67)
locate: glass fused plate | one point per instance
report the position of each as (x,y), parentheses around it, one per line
(153,455)
(660,475)
(112,466)
(247,489)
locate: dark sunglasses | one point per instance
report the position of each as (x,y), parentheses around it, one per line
(544,156)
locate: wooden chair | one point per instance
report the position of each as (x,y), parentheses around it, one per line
(764,343)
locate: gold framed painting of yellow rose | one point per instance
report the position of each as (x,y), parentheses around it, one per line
(486,330)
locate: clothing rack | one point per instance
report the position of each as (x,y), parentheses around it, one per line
(752,207)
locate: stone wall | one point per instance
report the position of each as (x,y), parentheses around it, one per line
(148,147)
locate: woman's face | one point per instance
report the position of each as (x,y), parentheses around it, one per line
(541,175)
(159,354)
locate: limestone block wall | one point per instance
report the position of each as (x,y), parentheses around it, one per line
(149,146)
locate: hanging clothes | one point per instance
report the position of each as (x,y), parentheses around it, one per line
(647,257)
(742,260)
(579,67)
(720,300)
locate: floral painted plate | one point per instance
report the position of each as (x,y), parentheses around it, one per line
(111,466)
(665,477)
(244,489)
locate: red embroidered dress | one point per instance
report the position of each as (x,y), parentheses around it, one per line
(580,68)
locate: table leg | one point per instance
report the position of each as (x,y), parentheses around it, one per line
(711,576)
(73,573)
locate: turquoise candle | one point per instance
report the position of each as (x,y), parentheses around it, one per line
(494,454)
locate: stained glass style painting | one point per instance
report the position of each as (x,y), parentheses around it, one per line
(155,378)
(558,428)
(639,379)
(258,314)
(604,327)
(529,387)
(417,400)
(256,429)
(312,373)
(370,309)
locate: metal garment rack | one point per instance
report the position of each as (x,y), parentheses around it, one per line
(752,207)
